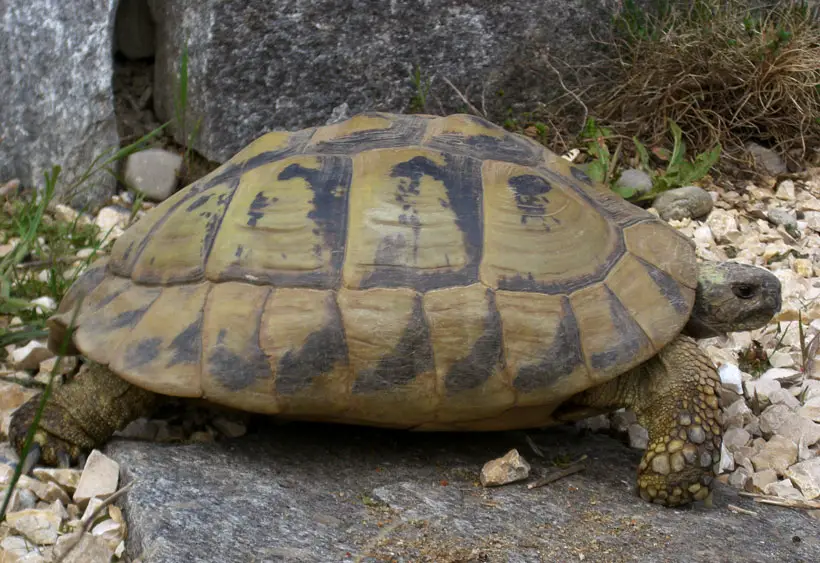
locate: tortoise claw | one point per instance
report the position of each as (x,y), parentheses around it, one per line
(63,459)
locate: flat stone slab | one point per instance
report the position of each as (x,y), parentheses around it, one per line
(304,492)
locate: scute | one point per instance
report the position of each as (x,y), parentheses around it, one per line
(398,270)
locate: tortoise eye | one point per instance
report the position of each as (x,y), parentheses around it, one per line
(743,290)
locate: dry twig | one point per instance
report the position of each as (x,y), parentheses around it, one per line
(556,475)
(787,502)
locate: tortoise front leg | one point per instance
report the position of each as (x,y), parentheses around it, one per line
(80,415)
(674,396)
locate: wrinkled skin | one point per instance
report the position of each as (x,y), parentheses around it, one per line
(732,297)
(674,394)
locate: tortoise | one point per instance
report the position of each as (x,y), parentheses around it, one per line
(407,271)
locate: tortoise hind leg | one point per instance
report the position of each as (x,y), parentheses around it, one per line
(80,415)
(674,396)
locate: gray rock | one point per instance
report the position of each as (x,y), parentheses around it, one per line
(154,172)
(738,414)
(734,438)
(635,179)
(760,480)
(309,493)
(620,420)
(681,203)
(782,217)
(135,30)
(739,477)
(256,65)
(780,420)
(761,388)
(806,477)
(638,436)
(783,489)
(58,106)
(767,160)
(778,454)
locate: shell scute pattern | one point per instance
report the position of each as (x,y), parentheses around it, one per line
(396,270)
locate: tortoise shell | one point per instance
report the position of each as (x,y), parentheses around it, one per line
(394,270)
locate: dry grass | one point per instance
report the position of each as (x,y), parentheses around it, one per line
(724,73)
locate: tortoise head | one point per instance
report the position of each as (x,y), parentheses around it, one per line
(732,297)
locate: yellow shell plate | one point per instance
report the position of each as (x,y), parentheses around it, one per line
(408,271)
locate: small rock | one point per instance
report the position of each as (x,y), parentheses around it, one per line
(342,113)
(154,172)
(813,220)
(13,395)
(620,420)
(109,530)
(735,438)
(594,423)
(503,470)
(811,412)
(723,225)
(112,221)
(235,429)
(782,217)
(760,479)
(91,511)
(781,359)
(25,499)
(780,420)
(739,477)
(806,477)
(730,377)
(58,508)
(778,454)
(53,492)
(99,478)
(14,548)
(201,437)
(738,415)
(44,305)
(761,388)
(803,267)
(785,191)
(40,526)
(783,397)
(687,202)
(727,462)
(787,376)
(30,355)
(65,213)
(139,429)
(783,489)
(767,160)
(90,549)
(635,179)
(638,436)
(68,479)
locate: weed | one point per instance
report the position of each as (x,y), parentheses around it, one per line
(602,167)
(677,172)
(725,72)
(421,90)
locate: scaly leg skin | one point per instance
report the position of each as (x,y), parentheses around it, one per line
(674,396)
(80,415)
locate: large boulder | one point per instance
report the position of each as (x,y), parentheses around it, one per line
(301,492)
(256,65)
(58,106)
